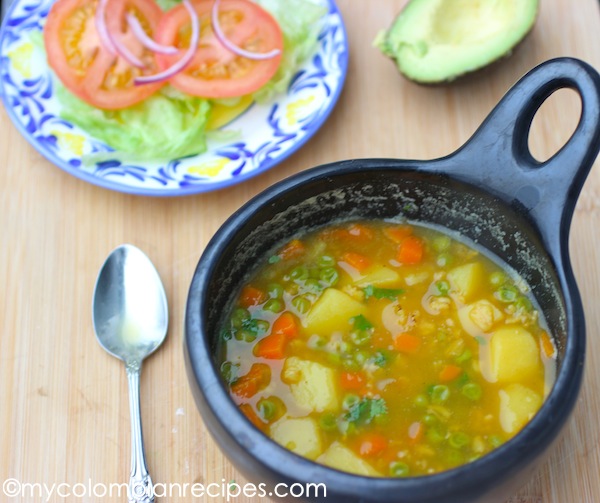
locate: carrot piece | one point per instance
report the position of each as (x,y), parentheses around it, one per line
(372,444)
(252,416)
(360,231)
(407,343)
(257,378)
(286,324)
(353,381)
(547,345)
(398,233)
(356,260)
(416,432)
(410,250)
(450,372)
(271,347)
(251,296)
(292,249)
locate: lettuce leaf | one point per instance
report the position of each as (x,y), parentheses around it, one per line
(300,22)
(167,125)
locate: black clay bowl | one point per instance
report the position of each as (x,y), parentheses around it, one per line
(493,192)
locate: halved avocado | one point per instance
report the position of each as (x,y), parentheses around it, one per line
(434,41)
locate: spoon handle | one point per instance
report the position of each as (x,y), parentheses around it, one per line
(140,483)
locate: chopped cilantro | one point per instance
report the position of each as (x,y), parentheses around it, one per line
(366,410)
(381,358)
(361,323)
(273,259)
(254,326)
(381,293)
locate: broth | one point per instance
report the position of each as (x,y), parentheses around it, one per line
(386,349)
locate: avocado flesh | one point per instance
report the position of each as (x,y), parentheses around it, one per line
(438,40)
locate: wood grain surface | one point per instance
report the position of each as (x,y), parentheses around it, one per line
(64,414)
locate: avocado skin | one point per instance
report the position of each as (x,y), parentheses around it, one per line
(401,49)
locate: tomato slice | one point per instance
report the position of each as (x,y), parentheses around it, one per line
(216,72)
(85,67)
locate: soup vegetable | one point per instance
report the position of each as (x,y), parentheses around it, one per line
(386,349)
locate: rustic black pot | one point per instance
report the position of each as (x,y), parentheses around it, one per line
(493,192)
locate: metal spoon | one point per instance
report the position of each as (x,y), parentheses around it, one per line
(130,316)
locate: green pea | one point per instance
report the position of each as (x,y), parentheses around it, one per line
(350,400)
(328,422)
(229,371)
(443,287)
(421,401)
(346,427)
(300,273)
(273,305)
(302,304)
(312,285)
(441,243)
(498,278)
(314,272)
(360,357)
(275,291)
(524,304)
(440,393)
(444,259)
(466,355)
(326,261)
(472,391)
(507,293)
(399,469)
(226,335)
(262,326)
(267,409)
(239,316)
(329,276)
(434,435)
(430,419)
(245,335)
(316,342)
(458,439)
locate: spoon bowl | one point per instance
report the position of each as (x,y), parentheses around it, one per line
(130,312)
(130,316)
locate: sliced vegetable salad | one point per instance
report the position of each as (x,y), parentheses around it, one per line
(149,81)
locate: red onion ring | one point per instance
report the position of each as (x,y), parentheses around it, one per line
(125,53)
(146,41)
(112,44)
(105,39)
(187,57)
(228,44)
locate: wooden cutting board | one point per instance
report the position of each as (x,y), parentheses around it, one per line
(64,411)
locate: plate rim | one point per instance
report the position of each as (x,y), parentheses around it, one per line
(193,188)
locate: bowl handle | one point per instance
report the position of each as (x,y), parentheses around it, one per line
(498,157)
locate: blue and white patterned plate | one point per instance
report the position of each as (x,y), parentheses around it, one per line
(268,132)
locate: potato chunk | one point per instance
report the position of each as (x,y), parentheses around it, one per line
(299,435)
(340,457)
(332,311)
(481,316)
(466,279)
(515,354)
(518,404)
(312,384)
(380,276)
